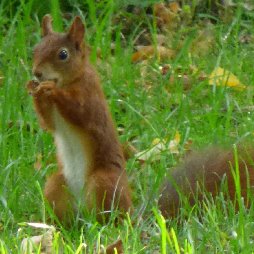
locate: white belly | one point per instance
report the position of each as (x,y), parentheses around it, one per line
(71,152)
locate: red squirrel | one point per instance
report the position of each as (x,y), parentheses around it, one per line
(70,104)
(203,172)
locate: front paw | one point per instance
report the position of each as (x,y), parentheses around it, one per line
(45,89)
(32,86)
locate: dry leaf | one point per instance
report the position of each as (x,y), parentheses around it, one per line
(174,7)
(159,146)
(43,241)
(222,77)
(40,225)
(152,153)
(173,144)
(167,15)
(147,52)
(28,244)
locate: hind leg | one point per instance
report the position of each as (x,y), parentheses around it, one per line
(59,198)
(109,192)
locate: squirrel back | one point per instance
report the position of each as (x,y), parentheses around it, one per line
(205,172)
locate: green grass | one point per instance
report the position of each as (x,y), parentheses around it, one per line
(145,107)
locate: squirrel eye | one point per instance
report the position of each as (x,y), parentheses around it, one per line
(63,54)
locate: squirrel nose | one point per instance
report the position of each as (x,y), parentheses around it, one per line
(38,74)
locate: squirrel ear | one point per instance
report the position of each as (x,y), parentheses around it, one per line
(77,31)
(46,25)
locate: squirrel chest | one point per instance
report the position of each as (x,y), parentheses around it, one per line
(72,154)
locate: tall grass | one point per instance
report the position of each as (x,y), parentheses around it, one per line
(145,107)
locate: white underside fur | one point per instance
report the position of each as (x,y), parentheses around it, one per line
(71,152)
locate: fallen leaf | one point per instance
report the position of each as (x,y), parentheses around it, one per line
(167,15)
(159,146)
(40,225)
(222,77)
(28,244)
(173,144)
(147,52)
(152,153)
(174,7)
(44,241)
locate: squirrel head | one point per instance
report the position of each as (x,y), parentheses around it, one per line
(60,56)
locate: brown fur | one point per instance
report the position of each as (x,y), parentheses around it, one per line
(117,245)
(204,172)
(79,99)
(61,205)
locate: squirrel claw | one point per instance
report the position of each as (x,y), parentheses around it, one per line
(31,86)
(38,89)
(45,88)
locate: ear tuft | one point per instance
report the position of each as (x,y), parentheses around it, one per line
(77,31)
(46,25)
